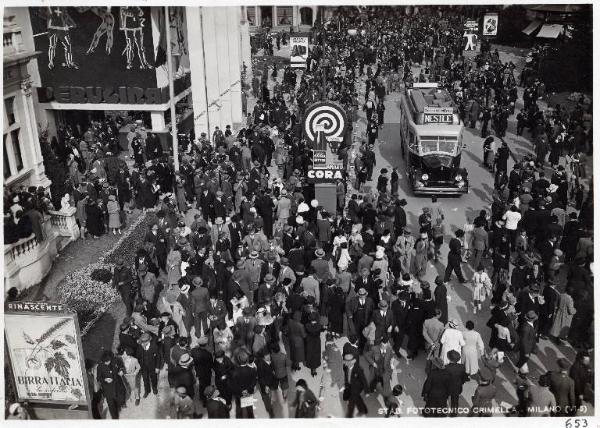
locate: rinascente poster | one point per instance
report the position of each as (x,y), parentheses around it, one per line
(45,357)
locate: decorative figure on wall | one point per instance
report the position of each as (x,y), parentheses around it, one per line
(106,26)
(59,26)
(178,43)
(132,25)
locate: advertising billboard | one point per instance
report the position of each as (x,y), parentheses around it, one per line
(46,358)
(96,53)
(299,53)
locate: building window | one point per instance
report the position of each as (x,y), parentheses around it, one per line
(6,162)
(9,108)
(306,16)
(16,146)
(285,15)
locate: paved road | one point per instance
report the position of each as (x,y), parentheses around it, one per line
(411,375)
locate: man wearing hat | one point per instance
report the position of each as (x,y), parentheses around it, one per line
(404,248)
(243,382)
(253,266)
(203,364)
(266,290)
(381,367)
(563,388)
(182,405)
(355,384)
(272,266)
(320,266)
(122,280)
(245,326)
(150,363)
(435,390)
(529,300)
(527,339)
(359,310)
(484,393)
(383,319)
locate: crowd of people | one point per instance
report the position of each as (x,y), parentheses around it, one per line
(265,280)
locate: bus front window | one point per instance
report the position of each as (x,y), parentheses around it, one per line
(448,144)
(429,145)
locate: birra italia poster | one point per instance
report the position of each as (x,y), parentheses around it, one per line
(44,351)
(299,51)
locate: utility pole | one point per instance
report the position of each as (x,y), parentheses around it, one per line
(171,93)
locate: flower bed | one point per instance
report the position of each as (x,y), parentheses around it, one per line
(89,290)
(131,241)
(90,298)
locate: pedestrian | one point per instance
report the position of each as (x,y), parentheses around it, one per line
(436,390)
(472,350)
(216,406)
(482,287)
(354,385)
(109,375)
(457,376)
(451,339)
(150,362)
(455,258)
(306,402)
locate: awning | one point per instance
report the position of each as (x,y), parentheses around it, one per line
(550,31)
(534,25)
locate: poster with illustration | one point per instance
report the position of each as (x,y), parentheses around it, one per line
(94,46)
(45,357)
(299,54)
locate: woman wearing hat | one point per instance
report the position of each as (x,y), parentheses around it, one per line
(313,343)
(94,219)
(114,219)
(452,339)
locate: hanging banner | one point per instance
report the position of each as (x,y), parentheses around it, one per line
(490,24)
(46,356)
(324,175)
(299,54)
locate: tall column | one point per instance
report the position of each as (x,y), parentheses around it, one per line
(197,68)
(245,50)
(223,59)
(235,64)
(32,151)
(212,69)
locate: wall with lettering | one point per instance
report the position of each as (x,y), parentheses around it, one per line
(104,48)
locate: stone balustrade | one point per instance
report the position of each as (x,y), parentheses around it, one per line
(65,223)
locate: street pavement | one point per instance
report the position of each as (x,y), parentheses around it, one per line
(409,374)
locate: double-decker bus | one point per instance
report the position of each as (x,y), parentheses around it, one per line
(431,133)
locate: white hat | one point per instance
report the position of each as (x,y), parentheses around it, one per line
(300,219)
(552,188)
(314,203)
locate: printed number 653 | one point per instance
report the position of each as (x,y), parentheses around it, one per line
(576,423)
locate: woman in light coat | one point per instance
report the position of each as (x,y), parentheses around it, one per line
(563,317)
(114,219)
(452,339)
(472,349)
(174,266)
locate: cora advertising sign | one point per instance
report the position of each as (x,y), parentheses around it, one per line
(45,352)
(324,175)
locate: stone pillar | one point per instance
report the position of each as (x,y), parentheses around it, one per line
(235,67)
(197,69)
(65,222)
(224,58)
(211,55)
(32,152)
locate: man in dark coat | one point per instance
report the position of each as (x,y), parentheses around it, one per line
(435,390)
(400,311)
(359,311)
(203,363)
(356,383)
(242,384)
(150,360)
(455,258)
(441,298)
(122,280)
(107,375)
(457,376)
(527,338)
(216,406)
(563,388)
(267,381)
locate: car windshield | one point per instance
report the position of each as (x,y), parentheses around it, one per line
(438,144)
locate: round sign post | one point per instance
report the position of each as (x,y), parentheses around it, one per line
(325,125)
